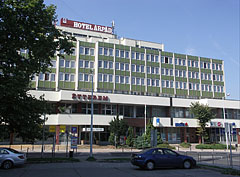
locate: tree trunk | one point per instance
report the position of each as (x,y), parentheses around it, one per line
(11,138)
(202,140)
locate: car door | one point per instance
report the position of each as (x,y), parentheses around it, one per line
(159,157)
(3,155)
(172,158)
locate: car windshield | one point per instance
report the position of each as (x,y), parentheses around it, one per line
(12,150)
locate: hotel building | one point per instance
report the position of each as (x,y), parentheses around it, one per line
(130,77)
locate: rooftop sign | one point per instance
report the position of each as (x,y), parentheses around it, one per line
(85,26)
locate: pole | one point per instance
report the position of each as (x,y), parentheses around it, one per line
(43,137)
(67,144)
(145,112)
(91,134)
(224,119)
(230,139)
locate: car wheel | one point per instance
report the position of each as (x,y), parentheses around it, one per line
(7,164)
(187,164)
(150,165)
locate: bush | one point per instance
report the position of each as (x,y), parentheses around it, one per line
(165,145)
(185,145)
(213,146)
(140,143)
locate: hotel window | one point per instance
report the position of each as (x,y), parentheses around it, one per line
(110,78)
(86,77)
(80,77)
(213,66)
(46,77)
(180,85)
(87,51)
(133,55)
(72,77)
(162,59)
(122,54)
(166,60)
(190,86)
(184,73)
(126,67)
(180,73)
(185,85)
(142,81)
(210,88)
(220,67)
(157,70)
(142,68)
(152,58)
(196,64)
(127,54)
(156,58)
(157,83)
(193,86)
(171,84)
(81,50)
(121,66)
(52,77)
(67,63)
(100,77)
(166,72)
(167,84)
(66,77)
(197,86)
(61,63)
(105,78)
(72,64)
(105,64)
(86,64)
(137,68)
(163,83)
(176,84)
(148,69)
(171,72)
(110,65)
(127,80)
(92,52)
(153,82)
(180,61)
(142,56)
(152,70)
(162,71)
(133,80)
(53,62)
(91,64)
(183,62)
(105,51)
(60,76)
(133,68)
(137,55)
(117,79)
(117,66)
(208,64)
(175,61)
(170,60)
(81,63)
(148,82)
(221,78)
(117,53)
(100,64)
(197,75)
(148,57)
(138,81)
(193,63)
(110,52)
(193,75)
(209,77)
(100,51)
(189,74)
(222,89)
(189,63)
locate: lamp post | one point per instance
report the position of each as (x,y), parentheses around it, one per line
(43,135)
(91,132)
(224,119)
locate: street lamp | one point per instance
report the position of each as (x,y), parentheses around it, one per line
(224,119)
(91,132)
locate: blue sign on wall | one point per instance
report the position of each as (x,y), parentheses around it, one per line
(179,125)
(74,130)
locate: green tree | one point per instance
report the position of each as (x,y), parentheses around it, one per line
(26,25)
(130,139)
(147,135)
(204,114)
(118,127)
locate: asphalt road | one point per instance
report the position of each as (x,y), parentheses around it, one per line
(97,169)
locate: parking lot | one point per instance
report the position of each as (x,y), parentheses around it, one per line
(97,169)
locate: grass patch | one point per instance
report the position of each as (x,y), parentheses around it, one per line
(185,145)
(91,159)
(212,146)
(229,171)
(51,160)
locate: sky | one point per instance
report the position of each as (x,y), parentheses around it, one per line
(206,28)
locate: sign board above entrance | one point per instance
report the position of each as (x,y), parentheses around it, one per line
(94,129)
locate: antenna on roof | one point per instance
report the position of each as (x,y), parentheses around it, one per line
(113,26)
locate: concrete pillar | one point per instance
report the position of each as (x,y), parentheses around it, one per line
(57,134)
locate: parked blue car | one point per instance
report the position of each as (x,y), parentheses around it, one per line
(161,158)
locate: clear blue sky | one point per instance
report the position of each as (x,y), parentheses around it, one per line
(206,28)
